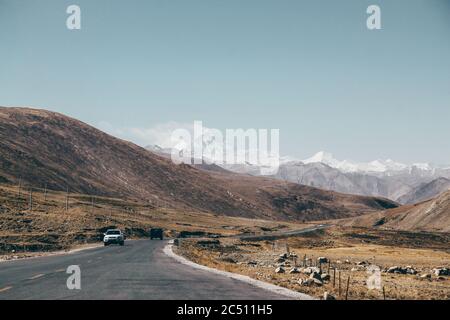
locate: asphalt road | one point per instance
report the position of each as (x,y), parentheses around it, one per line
(138,270)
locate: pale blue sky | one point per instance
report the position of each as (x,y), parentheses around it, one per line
(310,68)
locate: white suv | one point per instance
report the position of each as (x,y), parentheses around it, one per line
(114,236)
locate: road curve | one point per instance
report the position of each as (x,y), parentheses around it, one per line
(139,270)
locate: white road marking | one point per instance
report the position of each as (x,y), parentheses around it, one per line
(5,289)
(56,253)
(36,276)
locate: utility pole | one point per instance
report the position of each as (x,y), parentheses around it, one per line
(20,187)
(348,285)
(31,199)
(67,199)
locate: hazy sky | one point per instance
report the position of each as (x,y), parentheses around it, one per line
(310,68)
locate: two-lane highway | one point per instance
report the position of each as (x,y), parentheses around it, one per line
(138,270)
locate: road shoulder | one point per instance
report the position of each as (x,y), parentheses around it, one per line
(34,255)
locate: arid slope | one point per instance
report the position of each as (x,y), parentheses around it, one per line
(432,215)
(40,147)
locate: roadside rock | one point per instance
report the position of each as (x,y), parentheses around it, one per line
(316,275)
(294,270)
(325,277)
(410,270)
(322,260)
(280,270)
(306,282)
(309,282)
(425,276)
(280,260)
(396,269)
(310,270)
(441,271)
(317,282)
(328,296)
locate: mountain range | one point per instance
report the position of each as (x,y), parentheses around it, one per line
(399,182)
(396,181)
(40,147)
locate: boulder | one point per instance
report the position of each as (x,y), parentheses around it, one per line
(315,275)
(309,282)
(410,270)
(396,269)
(306,282)
(294,270)
(317,282)
(279,270)
(328,296)
(310,270)
(425,276)
(322,260)
(362,263)
(441,272)
(280,260)
(325,277)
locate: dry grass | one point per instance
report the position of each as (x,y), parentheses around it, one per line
(48,226)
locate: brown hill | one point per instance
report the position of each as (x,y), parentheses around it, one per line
(40,147)
(431,215)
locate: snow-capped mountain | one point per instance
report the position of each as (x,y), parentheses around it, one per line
(385,178)
(376,166)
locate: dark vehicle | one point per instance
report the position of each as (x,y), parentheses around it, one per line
(156,233)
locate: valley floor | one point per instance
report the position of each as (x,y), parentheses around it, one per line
(55,221)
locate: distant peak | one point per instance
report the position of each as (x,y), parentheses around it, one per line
(378,165)
(321,156)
